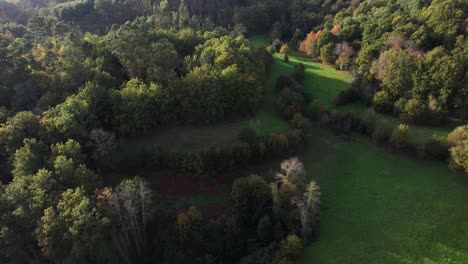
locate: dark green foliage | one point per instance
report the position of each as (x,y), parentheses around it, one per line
(399,138)
(137,105)
(298,72)
(291,248)
(381,135)
(29,158)
(249,136)
(434,149)
(251,196)
(74,230)
(17,128)
(265,230)
(345,97)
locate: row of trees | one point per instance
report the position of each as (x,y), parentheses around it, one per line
(257,16)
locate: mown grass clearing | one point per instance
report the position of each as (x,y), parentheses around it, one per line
(382,208)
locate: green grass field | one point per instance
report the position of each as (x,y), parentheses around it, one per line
(382,208)
(378,207)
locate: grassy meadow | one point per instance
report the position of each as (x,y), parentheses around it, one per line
(378,207)
(383,208)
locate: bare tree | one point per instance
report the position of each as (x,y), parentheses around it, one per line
(275,198)
(288,168)
(308,206)
(129,206)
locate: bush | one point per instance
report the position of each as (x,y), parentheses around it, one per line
(265,230)
(242,154)
(345,97)
(277,44)
(248,135)
(342,122)
(326,53)
(383,102)
(277,144)
(414,111)
(314,110)
(368,123)
(298,72)
(271,50)
(399,138)
(284,81)
(300,122)
(381,135)
(295,138)
(459,150)
(291,247)
(291,102)
(434,149)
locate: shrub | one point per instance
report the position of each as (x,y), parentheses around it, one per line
(295,138)
(383,102)
(277,144)
(291,102)
(291,247)
(251,196)
(314,110)
(265,230)
(298,72)
(284,81)
(414,111)
(326,53)
(300,122)
(248,135)
(285,51)
(399,138)
(458,138)
(434,149)
(340,122)
(241,154)
(271,50)
(277,44)
(345,97)
(367,123)
(381,135)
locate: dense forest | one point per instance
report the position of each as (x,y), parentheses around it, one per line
(80,79)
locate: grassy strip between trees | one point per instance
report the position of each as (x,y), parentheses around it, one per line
(324,83)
